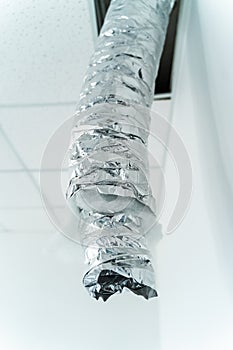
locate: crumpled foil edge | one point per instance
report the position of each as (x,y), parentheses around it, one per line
(109,182)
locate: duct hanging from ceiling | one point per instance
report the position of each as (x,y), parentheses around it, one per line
(109,187)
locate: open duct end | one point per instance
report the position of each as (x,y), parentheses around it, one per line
(134,273)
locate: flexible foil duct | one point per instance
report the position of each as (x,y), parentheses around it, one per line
(109,187)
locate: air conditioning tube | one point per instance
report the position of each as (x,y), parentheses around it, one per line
(109,188)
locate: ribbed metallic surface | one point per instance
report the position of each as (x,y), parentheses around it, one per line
(109,187)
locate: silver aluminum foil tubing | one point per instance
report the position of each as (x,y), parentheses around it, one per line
(109,188)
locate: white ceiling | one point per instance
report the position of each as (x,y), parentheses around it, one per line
(42,57)
(45,46)
(24,134)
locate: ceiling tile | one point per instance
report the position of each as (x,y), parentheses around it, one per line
(55,186)
(156,148)
(157,183)
(156,151)
(48,45)
(17,191)
(22,220)
(30,129)
(8,159)
(162,107)
(2,228)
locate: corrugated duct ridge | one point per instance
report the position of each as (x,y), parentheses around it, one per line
(109,187)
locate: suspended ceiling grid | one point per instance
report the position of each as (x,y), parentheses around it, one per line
(45,48)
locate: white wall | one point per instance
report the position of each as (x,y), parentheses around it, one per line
(195,263)
(216,28)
